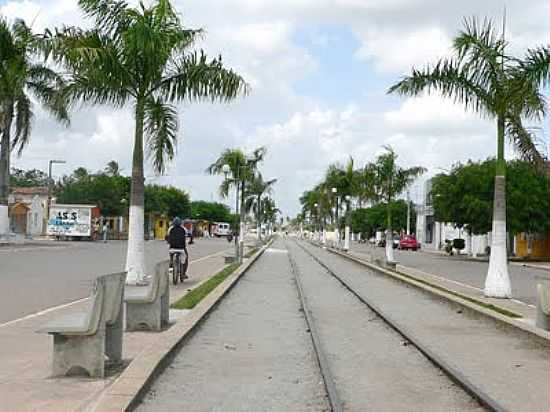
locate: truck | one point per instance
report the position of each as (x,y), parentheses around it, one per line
(72,221)
(222,229)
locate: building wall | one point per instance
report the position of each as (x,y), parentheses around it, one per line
(540,245)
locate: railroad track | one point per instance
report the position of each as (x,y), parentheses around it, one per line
(331,384)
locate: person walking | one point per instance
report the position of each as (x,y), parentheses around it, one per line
(105,231)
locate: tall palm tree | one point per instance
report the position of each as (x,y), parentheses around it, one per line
(256,189)
(22,76)
(141,55)
(486,79)
(392,181)
(112,168)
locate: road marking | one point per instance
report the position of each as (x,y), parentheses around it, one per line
(74,302)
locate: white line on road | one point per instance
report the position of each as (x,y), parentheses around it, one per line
(74,302)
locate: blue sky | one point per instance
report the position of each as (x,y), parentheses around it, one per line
(318,71)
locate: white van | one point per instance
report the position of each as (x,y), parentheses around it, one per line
(222,229)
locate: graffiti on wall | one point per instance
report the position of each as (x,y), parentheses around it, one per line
(69,222)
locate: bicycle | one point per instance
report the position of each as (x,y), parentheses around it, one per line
(176,267)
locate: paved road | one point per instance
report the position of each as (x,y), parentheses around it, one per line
(460,269)
(36,278)
(252,354)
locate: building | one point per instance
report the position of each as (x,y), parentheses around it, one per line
(432,234)
(27,210)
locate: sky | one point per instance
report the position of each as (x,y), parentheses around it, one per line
(318,72)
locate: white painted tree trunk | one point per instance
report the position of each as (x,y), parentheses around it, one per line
(346,240)
(497,283)
(324,238)
(4,222)
(135,257)
(389,247)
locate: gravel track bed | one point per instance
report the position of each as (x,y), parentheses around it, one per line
(252,354)
(510,366)
(372,366)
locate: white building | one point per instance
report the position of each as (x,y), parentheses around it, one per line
(432,235)
(27,209)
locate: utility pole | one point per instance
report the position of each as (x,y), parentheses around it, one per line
(49,203)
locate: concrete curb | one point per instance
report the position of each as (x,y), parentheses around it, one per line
(436,290)
(128,389)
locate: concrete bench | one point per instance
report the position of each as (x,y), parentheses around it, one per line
(83,340)
(147,307)
(543,301)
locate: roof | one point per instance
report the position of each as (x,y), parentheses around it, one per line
(36,190)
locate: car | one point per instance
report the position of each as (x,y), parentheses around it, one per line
(409,242)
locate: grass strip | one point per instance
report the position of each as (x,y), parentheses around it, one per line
(191,299)
(251,253)
(475,301)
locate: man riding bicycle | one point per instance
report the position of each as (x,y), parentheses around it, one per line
(176,239)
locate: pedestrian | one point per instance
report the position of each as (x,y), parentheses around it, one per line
(105,231)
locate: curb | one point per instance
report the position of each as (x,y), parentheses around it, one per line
(128,389)
(425,286)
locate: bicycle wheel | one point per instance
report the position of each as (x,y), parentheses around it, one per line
(176,269)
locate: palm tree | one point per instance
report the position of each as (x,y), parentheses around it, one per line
(256,189)
(112,169)
(141,55)
(270,213)
(21,76)
(392,181)
(487,80)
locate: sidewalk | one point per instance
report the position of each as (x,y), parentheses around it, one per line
(25,356)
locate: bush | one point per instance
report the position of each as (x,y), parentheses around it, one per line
(458,244)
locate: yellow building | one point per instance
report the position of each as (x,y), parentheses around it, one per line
(537,244)
(161,225)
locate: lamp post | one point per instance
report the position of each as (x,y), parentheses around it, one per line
(335,192)
(318,225)
(49,202)
(347,230)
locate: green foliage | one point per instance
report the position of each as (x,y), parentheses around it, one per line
(465,197)
(370,220)
(191,299)
(214,212)
(28,178)
(168,201)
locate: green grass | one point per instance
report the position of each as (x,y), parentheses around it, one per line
(489,306)
(191,299)
(251,252)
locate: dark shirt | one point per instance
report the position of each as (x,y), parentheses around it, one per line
(176,237)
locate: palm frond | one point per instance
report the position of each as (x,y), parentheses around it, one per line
(525,143)
(23,123)
(161,126)
(193,77)
(535,67)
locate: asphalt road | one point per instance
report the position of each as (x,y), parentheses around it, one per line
(35,278)
(460,269)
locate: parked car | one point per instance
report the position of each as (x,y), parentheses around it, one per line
(382,242)
(409,242)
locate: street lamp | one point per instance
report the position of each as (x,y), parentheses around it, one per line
(50,163)
(316,205)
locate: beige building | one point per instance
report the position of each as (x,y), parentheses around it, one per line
(27,210)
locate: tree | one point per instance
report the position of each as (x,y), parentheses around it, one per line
(21,77)
(28,178)
(140,55)
(168,201)
(486,79)
(214,212)
(256,189)
(112,168)
(463,197)
(392,180)
(370,220)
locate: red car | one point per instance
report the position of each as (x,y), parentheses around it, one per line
(409,242)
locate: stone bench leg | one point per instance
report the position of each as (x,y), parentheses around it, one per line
(113,339)
(165,308)
(144,316)
(86,352)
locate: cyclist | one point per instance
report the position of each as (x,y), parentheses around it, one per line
(176,239)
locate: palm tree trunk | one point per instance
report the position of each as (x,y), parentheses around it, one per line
(497,283)
(259,223)
(389,232)
(135,258)
(5,172)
